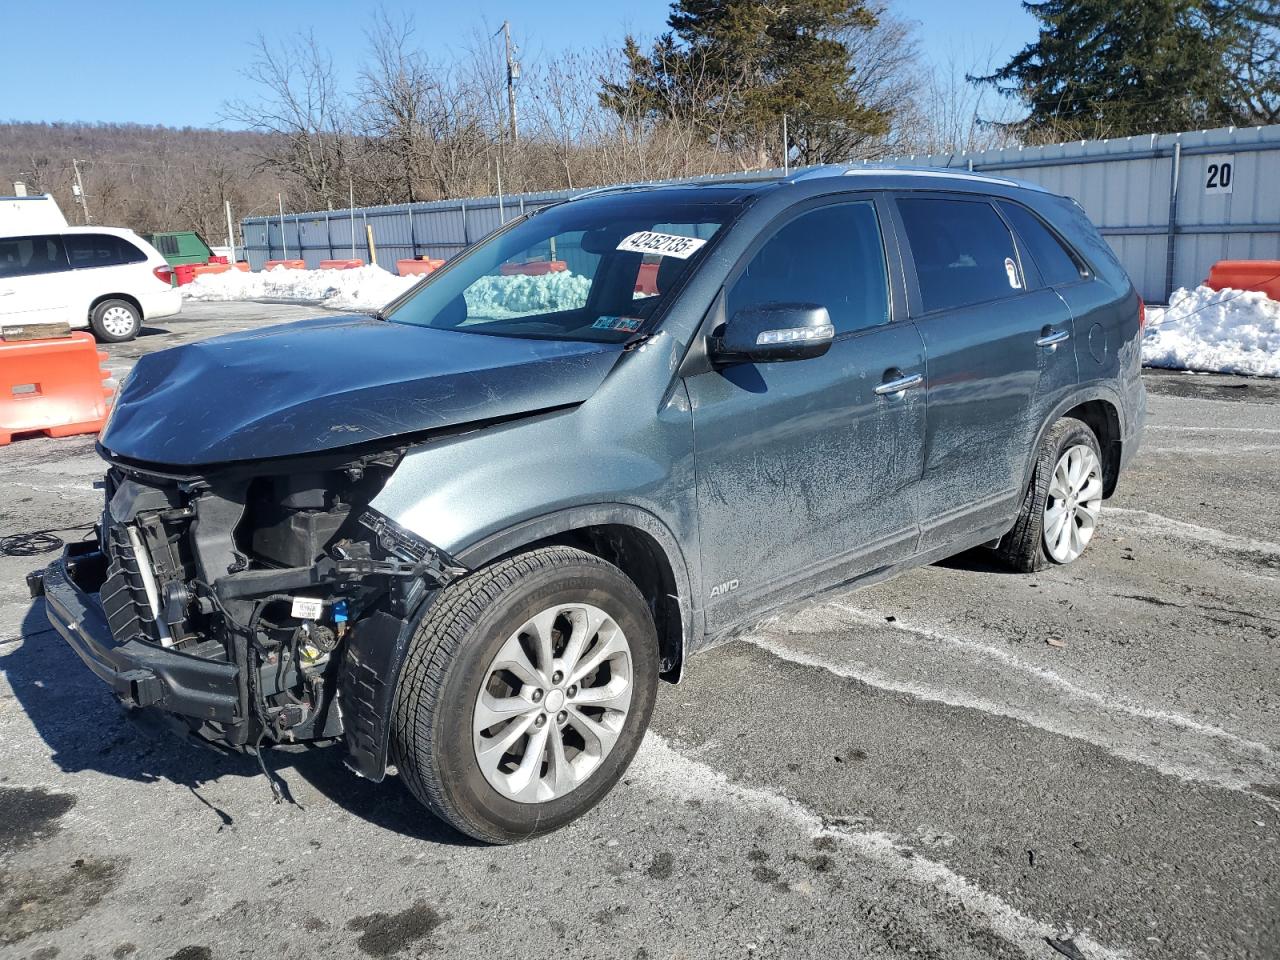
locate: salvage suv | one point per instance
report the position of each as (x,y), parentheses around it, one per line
(467,536)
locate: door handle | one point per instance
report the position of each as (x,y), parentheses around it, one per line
(899,384)
(6,293)
(1053,338)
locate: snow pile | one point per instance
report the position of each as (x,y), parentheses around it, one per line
(365,288)
(496,298)
(369,288)
(1219,331)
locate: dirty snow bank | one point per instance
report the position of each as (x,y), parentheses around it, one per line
(1216,331)
(369,288)
(365,288)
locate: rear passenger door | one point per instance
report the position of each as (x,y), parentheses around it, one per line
(806,473)
(997,353)
(33,280)
(103,263)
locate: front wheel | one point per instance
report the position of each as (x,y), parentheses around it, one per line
(526,692)
(1063,503)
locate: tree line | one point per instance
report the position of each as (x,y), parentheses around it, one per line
(731,85)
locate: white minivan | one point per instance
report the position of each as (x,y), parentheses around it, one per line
(105,278)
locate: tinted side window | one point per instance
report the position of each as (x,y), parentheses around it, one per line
(1055,263)
(963,252)
(101,250)
(25,256)
(831,256)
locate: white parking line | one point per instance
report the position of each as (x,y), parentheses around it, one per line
(1191,531)
(679,777)
(1179,428)
(1062,683)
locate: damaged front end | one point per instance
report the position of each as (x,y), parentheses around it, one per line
(253,604)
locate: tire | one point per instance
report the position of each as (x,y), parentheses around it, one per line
(454,658)
(1028,547)
(115,321)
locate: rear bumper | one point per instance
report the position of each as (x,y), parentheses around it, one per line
(140,673)
(164,303)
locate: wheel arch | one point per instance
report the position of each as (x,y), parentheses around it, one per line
(126,297)
(1099,409)
(629,537)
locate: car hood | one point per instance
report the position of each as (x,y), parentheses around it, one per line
(335,382)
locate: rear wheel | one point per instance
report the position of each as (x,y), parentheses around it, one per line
(526,693)
(1063,503)
(115,321)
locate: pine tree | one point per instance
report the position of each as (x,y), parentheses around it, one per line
(1106,68)
(735,67)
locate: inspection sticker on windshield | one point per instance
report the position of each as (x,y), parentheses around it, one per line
(662,244)
(626,324)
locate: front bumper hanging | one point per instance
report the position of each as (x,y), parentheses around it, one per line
(140,674)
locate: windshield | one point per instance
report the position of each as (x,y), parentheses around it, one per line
(597,269)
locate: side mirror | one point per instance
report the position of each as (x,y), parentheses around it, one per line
(773,332)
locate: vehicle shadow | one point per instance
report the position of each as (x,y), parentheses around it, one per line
(87,729)
(977,560)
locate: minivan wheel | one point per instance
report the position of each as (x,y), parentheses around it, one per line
(1063,503)
(525,694)
(115,321)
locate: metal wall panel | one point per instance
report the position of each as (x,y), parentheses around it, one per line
(1125,185)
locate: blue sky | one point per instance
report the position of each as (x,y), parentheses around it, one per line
(153,62)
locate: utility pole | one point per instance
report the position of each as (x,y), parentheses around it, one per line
(84,201)
(231,234)
(513,74)
(284,246)
(786,149)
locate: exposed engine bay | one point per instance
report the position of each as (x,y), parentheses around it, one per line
(279,576)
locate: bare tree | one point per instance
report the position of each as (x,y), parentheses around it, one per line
(301,106)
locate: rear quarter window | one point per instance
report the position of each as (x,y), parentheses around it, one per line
(1057,264)
(962,250)
(100,250)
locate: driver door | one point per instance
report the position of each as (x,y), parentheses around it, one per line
(807,475)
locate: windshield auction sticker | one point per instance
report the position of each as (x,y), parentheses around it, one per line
(662,244)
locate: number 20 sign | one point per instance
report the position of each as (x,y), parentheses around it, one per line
(1219,171)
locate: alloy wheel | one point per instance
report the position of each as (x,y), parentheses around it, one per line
(1074,503)
(553,703)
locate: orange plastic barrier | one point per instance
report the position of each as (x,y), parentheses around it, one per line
(417,266)
(242,266)
(52,387)
(287,264)
(340,264)
(536,268)
(1260,275)
(200,269)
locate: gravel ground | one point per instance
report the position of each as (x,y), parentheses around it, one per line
(958,763)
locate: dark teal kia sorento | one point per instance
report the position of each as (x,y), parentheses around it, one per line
(468,535)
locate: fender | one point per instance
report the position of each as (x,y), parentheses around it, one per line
(590,515)
(375,657)
(1083,394)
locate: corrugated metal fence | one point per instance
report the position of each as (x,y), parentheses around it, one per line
(1170,205)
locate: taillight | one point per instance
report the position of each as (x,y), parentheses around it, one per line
(1142,315)
(164,274)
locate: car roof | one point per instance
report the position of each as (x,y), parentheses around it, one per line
(114,231)
(738,188)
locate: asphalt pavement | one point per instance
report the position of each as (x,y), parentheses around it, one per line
(958,763)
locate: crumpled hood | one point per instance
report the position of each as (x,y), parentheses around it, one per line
(334,382)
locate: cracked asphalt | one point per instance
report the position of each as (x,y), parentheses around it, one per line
(957,763)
